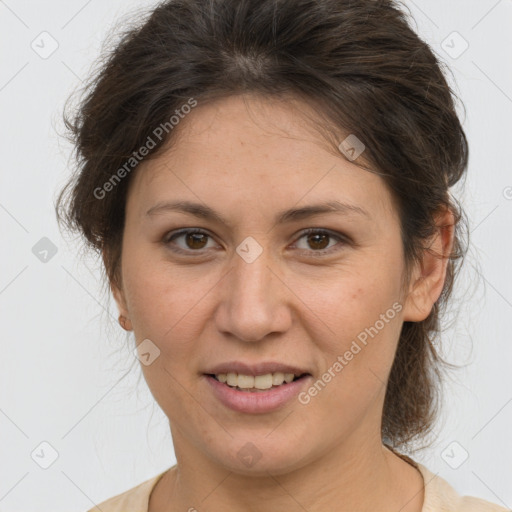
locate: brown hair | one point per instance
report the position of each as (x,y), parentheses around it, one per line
(361,66)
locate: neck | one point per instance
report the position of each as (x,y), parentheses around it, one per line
(352,477)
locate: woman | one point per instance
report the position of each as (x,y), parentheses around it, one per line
(268,185)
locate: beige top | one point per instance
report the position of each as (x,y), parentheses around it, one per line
(439,497)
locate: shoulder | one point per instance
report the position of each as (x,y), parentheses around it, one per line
(135,499)
(440,496)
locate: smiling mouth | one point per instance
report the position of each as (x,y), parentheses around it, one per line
(255,384)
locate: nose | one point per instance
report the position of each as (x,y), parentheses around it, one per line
(255,302)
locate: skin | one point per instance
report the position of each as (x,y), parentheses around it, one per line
(249,158)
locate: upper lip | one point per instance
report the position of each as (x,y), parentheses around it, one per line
(255,369)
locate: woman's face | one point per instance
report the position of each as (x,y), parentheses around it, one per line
(254,289)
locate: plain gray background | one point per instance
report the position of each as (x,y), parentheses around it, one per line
(63,362)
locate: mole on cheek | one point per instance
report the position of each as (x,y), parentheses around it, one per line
(357,293)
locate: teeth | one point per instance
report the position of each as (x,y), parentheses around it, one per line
(245,381)
(232,379)
(259,382)
(278,378)
(288,377)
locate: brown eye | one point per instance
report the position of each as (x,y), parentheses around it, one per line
(195,240)
(191,240)
(318,241)
(321,241)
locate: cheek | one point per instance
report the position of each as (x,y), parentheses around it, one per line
(162,298)
(165,306)
(358,325)
(169,306)
(349,300)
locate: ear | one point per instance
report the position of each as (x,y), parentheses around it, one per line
(120,299)
(429,275)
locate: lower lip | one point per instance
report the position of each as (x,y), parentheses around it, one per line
(257,401)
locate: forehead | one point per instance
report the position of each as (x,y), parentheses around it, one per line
(254,150)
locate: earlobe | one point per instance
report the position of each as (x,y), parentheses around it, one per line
(429,275)
(118,294)
(124,318)
(417,306)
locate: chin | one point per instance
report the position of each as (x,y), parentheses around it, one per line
(260,457)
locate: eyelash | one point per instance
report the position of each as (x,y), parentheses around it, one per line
(170,237)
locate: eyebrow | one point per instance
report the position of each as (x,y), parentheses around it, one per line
(286,216)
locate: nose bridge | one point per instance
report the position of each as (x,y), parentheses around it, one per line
(252,274)
(253,302)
